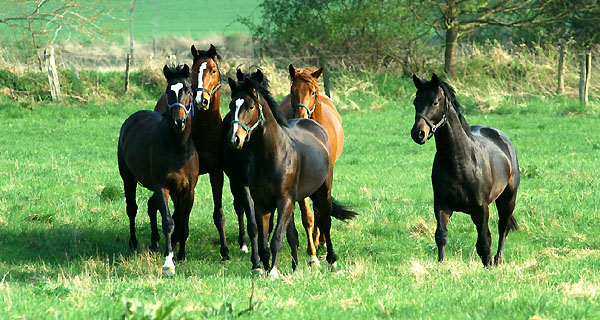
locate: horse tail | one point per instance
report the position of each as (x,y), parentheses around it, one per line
(340,211)
(512,224)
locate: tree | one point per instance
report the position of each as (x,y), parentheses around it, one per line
(42,22)
(459,17)
(370,33)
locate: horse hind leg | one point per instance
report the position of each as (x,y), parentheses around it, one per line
(130,186)
(322,198)
(308,222)
(292,239)
(184,205)
(506,221)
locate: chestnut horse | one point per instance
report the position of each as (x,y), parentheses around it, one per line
(157,151)
(290,162)
(473,166)
(305,101)
(207,133)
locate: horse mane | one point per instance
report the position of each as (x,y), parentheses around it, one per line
(259,82)
(204,54)
(306,75)
(451,94)
(177,71)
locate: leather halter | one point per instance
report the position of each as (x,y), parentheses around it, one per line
(310,112)
(187,111)
(433,127)
(261,119)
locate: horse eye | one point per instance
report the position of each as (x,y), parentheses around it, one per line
(214,72)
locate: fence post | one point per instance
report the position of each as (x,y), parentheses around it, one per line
(326,75)
(127,72)
(52,74)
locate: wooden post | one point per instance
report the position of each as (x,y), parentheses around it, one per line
(131,29)
(154,48)
(326,75)
(588,72)
(127,72)
(561,67)
(52,74)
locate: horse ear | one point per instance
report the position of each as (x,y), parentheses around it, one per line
(240,75)
(185,71)
(317,73)
(167,72)
(435,79)
(259,75)
(418,82)
(194,51)
(292,71)
(212,52)
(232,84)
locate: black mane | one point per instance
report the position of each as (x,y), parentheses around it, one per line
(257,81)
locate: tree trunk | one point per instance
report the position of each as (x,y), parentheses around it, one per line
(127,73)
(326,75)
(52,74)
(561,67)
(451,38)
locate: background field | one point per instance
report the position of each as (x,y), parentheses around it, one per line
(63,227)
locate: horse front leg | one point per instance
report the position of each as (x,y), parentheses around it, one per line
(484,238)
(240,205)
(253,231)
(442,216)
(184,205)
(216,183)
(285,211)
(162,203)
(263,224)
(154,236)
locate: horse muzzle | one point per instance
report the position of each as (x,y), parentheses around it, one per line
(179,124)
(236,141)
(420,132)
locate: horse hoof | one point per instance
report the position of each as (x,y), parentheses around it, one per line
(257,271)
(244,249)
(168,271)
(333,266)
(153,248)
(274,274)
(498,260)
(313,261)
(225,258)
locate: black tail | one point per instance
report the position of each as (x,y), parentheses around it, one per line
(512,224)
(341,212)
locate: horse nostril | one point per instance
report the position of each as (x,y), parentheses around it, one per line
(421,134)
(205,102)
(236,140)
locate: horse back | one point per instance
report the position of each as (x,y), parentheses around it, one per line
(161,104)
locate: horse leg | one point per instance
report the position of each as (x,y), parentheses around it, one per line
(308,222)
(285,211)
(484,238)
(441,232)
(322,198)
(292,239)
(253,230)
(184,207)
(239,197)
(505,205)
(263,221)
(162,198)
(154,237)
(130,185)
(216,183)
(176,217)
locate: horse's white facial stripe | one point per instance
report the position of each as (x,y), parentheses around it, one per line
(201,75)
(176,88)
(238,104)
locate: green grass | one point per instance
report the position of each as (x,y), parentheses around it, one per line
(64,231)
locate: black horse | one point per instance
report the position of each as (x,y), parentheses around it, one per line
(157,151)
(290,161)
(473,166)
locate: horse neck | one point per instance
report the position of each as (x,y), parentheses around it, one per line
(453,139)
(270,137)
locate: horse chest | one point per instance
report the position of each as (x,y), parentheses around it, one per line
(458,188)
(178,183)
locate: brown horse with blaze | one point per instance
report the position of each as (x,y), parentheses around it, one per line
(305,101)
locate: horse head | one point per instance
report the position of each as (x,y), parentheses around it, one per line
(431,104)
(206,77)
(304,91)
(179,96)
(245,107)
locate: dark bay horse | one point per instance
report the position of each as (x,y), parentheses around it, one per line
(305,101)
(290,162)
(207,132)
(473,166)
(157,151)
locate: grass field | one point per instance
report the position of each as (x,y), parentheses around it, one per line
(64,231)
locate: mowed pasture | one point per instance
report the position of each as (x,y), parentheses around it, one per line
(64,230)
